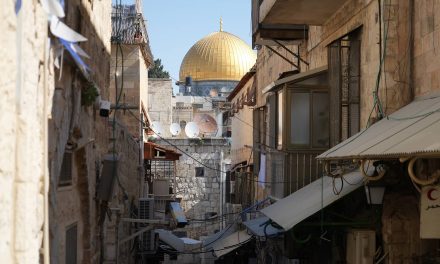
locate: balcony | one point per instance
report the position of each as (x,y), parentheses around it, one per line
(288,19)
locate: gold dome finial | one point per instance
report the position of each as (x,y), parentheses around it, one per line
(221,24)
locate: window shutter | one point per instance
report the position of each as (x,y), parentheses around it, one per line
(71,244)
(334,75)
(271,124)
(256,137)
(354,83)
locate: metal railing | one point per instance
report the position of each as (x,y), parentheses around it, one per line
(302,169)
(290,172)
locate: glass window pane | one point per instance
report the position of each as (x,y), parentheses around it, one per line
(300,119)
(321,120)
(280,120)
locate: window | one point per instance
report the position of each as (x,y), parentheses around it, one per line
(280,106)
(320,119)
(65,178)
(71,244)
(344,81)
(180,104)
(197,106)
(309,119)
(300,119)
(200,172)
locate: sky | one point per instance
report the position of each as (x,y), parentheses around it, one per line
(175,25)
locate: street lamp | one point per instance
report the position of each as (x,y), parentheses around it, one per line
(374,193)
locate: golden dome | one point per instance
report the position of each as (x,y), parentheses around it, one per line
(220,56)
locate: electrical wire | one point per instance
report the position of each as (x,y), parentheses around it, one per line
(236,219)
(207,251)
(197,160)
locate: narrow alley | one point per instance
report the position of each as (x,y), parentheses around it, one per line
(245,132)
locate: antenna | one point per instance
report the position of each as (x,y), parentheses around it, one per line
(175,129)
(192,130)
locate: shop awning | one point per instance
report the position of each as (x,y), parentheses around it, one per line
(155,151)
(411,131)
(231,242)
(260,227)
(181,244)
(305,202)
(296,78)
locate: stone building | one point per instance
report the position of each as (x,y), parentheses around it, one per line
(57,149)
(131,57)
(215,64)
(242,99)
(199,182)
(26,85)
(160,107)
(325,71)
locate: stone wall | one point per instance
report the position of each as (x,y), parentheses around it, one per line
(26,88)
(200,195)
(203,88)
(126,193)
(160,92)
(129,80)
(242,129)
(426,49)
(78,128)
(269,68)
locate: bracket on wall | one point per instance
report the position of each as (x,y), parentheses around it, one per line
(291,52)
(283,57)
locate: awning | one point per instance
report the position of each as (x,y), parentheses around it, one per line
(183,244)
(303,203)
(225,245)
(411,131)
(208,242)
(295,78)
(155,151)
(260,227)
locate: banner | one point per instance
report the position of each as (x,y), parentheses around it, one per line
(430,212)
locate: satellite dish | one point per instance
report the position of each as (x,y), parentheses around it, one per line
(206,123)
(157,128)
(192,130)
(175,129)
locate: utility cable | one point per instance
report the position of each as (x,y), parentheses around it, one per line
(197,160)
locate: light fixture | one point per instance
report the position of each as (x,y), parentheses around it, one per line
(374,193)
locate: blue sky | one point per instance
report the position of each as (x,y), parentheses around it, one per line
(175,25)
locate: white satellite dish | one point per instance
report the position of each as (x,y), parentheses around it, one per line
(192,130)
(157,128)
(175,129)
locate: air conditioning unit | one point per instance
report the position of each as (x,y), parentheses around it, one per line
(146,211)
(361,246)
